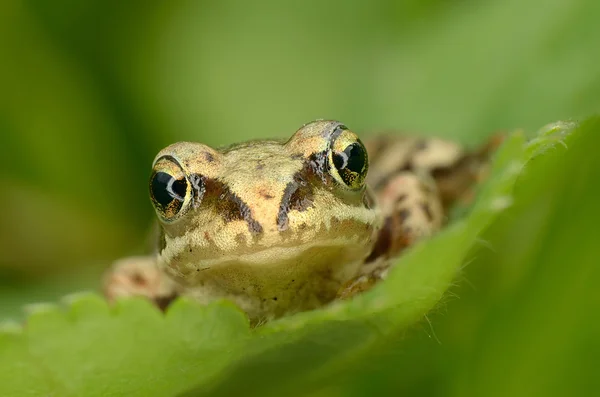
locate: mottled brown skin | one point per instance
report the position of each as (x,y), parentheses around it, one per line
(282,227)
(416,182)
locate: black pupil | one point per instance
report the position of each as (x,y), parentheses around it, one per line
(356,157)
(353,159)
(165,188)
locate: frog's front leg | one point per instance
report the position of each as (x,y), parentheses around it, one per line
(140,276)
(412,209)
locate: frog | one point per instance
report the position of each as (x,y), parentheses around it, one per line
(285,226)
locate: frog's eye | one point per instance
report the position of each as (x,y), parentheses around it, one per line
(169,189)
(349,158)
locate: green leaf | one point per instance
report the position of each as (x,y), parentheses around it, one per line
(131,349)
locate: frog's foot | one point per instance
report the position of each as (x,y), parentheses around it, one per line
(371,274)
(139,276)
(356,286)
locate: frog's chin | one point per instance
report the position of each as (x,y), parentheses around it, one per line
(271,283)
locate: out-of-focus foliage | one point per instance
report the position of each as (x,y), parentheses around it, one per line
(90,91)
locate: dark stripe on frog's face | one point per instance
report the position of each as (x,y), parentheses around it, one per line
(229,206)
(298,195)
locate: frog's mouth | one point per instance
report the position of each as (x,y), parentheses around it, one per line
(325,254)
(273,255)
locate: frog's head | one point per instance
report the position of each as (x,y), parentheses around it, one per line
(265,209)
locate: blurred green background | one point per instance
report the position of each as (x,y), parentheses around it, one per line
(90,91)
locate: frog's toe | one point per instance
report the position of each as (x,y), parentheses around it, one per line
(356,286)
(139,276)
